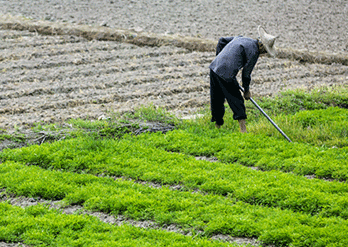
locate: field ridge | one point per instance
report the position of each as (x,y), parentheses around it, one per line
(150,39)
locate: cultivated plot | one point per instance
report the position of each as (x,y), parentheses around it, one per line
(55,78)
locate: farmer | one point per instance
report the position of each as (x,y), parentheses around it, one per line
(233,54)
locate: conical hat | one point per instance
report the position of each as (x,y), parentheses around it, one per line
(268,41)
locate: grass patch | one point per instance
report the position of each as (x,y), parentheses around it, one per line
(15,137)
(317,117)
(151,113)
(119,124)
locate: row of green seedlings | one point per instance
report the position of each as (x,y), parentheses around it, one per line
(324,127)
(264,151)
(210,214)
(260,151)
(145,158)
(289,109)
(39,225)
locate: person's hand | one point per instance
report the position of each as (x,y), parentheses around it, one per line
(247,95)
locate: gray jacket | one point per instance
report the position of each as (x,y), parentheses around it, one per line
(233,54)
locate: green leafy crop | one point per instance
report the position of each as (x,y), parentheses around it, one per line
(262,186)
(210,213)
(40,226)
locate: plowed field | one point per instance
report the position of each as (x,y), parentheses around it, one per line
(312,25)
(54,78)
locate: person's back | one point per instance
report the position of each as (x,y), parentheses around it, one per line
(232,55)
(238,53)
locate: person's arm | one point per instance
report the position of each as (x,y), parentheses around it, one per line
(222,43)
(248,68)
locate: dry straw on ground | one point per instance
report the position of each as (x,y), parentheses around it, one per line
(104,33)
(151,39)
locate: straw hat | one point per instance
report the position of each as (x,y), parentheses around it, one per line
(268,41)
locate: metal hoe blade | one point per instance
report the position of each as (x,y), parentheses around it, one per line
(269,119)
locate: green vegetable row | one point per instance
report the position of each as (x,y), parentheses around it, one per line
(325,127)
(256,150)
(38,225)
(131,157)
(210,213)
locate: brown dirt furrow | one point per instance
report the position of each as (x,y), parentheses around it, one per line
(153,39)
(186,103)
(270,88)
(121,51)
(121,69)
(104,81)
(12,39)
(23,53)
(312,25)
(100,77)
(136,56)
(295,73)
(59,101)
(269,64)
(90,64)
(8,36)
(58,56)
(315,82)
(62,61)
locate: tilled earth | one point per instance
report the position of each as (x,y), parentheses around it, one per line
(303,24)
(55,78)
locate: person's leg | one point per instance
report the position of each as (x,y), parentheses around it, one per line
(234,98)
(235,101)
(242,125)
(217,100)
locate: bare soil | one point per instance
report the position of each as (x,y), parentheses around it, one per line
(304,24)
(54,78)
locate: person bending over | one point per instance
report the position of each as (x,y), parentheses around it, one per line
(232,55)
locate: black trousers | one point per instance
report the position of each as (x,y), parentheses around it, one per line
(221,90)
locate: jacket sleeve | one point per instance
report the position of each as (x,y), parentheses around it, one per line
(248,68)
(222,43)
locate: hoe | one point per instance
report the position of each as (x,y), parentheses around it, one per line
(264,113)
